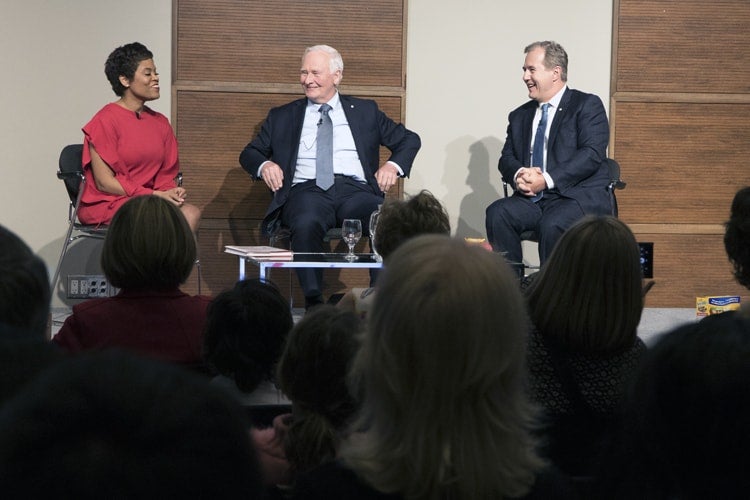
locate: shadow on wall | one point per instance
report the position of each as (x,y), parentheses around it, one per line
(482,177)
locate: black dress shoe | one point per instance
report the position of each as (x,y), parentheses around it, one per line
(334,299)
(313,301)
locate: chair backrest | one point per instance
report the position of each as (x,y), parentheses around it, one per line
(614,175)
(615,183)
(71,169)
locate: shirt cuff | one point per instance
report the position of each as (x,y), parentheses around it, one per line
(550,182)
(400,172)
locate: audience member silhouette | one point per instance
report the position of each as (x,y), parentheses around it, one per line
(737,236)
(399,220)
(585,305)
(441,375)
(686,416)
(113,425)
(312,372)
(24,290)
(245,333)
(24,315)
(149,251)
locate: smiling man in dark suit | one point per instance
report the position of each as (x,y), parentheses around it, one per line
(286,155)
(567,177)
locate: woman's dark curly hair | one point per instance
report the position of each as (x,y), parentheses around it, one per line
(124,61)
(737,236)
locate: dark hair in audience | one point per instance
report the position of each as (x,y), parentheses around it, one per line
(442,371)
(245,332)
(737,236)
(149,246)
(589,294)
(312,373)
(113,425)
(124,61)
(402,219)
(686,416)
(24,289)
(22,359)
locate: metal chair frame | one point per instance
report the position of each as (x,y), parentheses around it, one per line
(70,171)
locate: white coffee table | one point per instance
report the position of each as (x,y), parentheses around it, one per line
(311,260)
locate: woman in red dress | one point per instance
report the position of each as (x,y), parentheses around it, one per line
(130,149)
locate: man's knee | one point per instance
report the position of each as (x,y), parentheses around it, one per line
(494,210)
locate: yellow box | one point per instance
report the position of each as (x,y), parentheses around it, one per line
(706,306)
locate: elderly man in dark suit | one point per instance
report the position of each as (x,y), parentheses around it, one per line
(316,186)
(554,156)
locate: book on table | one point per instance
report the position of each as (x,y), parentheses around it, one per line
(260,252)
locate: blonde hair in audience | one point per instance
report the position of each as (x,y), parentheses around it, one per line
(441,375)
(589,294)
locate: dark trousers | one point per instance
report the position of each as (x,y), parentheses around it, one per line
(507,218)
(310,212)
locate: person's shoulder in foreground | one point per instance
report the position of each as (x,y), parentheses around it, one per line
(333,480)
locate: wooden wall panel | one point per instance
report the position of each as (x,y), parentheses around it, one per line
(262,42)
(681,135)
(682,162)
(687,266)
(682,46)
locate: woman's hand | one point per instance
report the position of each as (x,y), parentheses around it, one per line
(174,195)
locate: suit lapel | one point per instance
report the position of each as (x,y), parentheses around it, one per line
(560,113)
(350,111)
(354,117)
(296,120)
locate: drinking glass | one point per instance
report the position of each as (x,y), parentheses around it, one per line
(351,231)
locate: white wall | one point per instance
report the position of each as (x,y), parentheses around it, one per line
(463,70)
(52,55)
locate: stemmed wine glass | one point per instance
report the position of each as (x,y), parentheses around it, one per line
(351,231)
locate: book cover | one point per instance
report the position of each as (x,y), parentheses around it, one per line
(259,251)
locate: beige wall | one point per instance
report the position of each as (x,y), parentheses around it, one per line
(463,71)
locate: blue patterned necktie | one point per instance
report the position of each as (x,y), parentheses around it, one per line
(324,153)
(537,155)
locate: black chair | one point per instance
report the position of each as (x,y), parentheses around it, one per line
(70,171)
(615,183)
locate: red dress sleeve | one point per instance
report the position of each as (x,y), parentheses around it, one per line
(141,150)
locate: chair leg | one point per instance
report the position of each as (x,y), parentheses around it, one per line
(200,274)
(64,250)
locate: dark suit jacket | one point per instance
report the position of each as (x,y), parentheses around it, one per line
(279,139)
(576,149)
